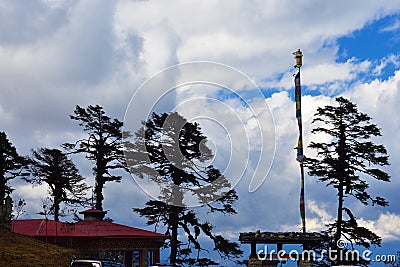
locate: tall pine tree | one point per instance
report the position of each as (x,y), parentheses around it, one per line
(66,185)
(12,165)
(345,161)
(176,151)
(102,146)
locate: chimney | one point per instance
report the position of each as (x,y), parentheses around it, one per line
(93,214)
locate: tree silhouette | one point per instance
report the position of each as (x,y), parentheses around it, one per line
(172,152)
(102,146)
(12,165)
(345,161)
(66,185)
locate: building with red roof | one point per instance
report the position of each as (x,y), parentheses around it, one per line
(94,237)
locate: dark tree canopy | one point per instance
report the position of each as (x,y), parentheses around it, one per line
(172,153)
(12,165)
(102,146)
(66,185)
(346,161)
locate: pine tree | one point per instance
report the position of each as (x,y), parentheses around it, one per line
(345,161)
(12,165)
(102,146)
(66,185)
(176,149)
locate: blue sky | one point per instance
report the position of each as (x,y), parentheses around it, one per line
(374,41)
(56,54)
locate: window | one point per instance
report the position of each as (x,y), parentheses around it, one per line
(136,258)
(150,257)
(114,255)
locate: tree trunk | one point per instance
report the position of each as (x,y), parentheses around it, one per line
(2,198)
(341,177)
(339,220)
(2,190)
(174,221)
(100,179)
(3,183)
(174,217)
(98,191)
(56,209)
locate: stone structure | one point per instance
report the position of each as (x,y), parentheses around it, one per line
(279,239)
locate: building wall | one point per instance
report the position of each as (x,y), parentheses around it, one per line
(132,253)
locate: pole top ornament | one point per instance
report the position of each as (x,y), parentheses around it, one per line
(298,55)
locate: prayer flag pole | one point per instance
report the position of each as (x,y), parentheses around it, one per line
(300,157)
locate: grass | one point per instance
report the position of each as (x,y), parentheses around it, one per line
(18,250)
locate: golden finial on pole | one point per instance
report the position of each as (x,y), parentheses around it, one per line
(298,55)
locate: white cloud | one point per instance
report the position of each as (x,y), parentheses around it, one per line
(386,226)
(320,212)
(324,73)
(316,220)
(393,27)
(5,116)
(254,36)
(381,99)
(384,62)
(33,196)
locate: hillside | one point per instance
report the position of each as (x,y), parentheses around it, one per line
(18,250)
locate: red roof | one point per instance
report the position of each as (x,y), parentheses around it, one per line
(103,228)
(89,228)
(92,210)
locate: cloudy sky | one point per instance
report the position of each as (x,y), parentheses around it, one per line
(55,54)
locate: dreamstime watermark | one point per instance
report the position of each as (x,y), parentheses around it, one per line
(339,254)
(231,111)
